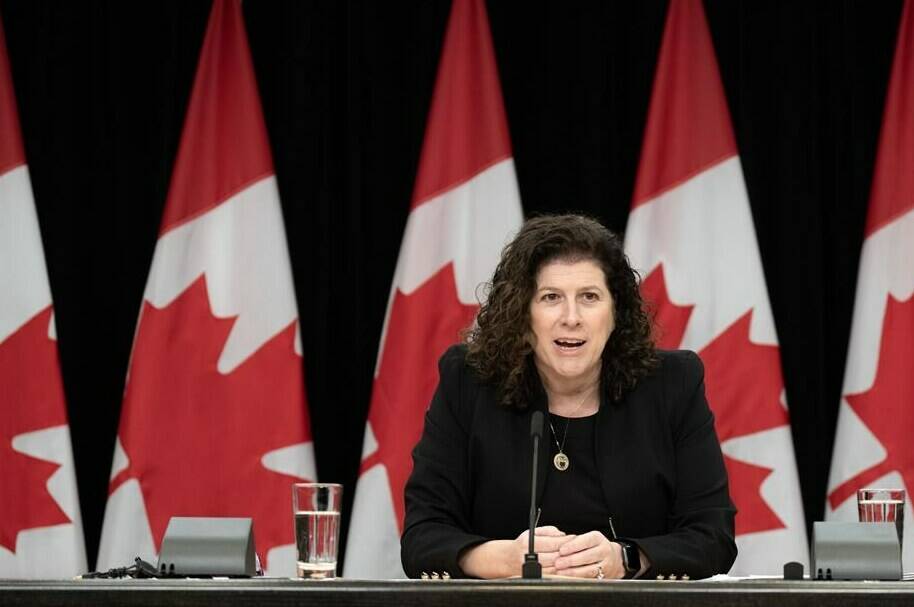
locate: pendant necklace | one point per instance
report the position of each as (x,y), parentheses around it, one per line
(561,461)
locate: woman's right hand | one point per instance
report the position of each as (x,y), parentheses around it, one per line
(505,558)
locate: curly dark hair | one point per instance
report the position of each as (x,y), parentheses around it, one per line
(498,345)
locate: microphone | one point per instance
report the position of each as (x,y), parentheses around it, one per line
(532,570)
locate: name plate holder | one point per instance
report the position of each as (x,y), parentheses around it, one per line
(855,551)
(208,547)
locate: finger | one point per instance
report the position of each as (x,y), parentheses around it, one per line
(548,530)
(547,559)
(583,542)
(590,556)
(545,543)
(591,570)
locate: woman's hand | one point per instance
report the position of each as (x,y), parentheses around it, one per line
(505,558)
(546,542)
(588,555)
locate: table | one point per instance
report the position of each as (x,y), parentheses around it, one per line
(452,593)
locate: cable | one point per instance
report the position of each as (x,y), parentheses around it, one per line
(139,570)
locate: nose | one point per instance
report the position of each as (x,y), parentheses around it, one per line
(571,316)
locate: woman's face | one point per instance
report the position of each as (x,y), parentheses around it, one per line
(571,317)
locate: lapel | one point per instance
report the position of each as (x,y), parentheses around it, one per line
(604,442)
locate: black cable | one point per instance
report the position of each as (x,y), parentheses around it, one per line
(139,570)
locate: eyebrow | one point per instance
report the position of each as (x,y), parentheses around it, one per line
(585,288)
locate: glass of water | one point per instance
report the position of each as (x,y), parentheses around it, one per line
(882,506)
(316,507)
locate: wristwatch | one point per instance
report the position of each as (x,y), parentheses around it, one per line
(631,559)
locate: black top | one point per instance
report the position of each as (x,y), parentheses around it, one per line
(572,499)
(658,460)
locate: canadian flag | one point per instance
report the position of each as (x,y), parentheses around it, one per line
(690,234)
(214,420)
(873,444)
(41,533)
(464,209)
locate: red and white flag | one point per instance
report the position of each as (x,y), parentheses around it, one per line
(214,420)
(465,208)
(873,444)
(41,533)
(690,234)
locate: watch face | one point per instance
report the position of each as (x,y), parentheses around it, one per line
(630,558)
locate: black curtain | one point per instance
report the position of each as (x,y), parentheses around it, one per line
(102,88)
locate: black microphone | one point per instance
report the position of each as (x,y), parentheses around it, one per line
(532,569)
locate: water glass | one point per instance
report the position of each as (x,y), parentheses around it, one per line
(316,507)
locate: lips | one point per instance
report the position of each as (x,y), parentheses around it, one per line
(569,344)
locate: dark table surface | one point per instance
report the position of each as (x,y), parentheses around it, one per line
(452,593)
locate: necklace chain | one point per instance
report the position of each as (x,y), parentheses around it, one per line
(567,423)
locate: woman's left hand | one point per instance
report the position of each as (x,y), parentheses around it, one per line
(589,555)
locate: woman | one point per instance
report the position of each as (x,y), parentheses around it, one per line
(631,479)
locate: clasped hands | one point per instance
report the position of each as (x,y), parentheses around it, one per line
(587,555)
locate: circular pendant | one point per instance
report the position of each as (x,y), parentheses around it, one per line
(561,461)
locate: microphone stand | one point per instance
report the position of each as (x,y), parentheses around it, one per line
(532,570)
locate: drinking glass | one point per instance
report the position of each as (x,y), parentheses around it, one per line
(316,507)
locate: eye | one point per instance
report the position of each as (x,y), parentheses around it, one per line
(550,297)
(590,296)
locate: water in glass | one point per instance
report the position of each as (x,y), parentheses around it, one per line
(316,536)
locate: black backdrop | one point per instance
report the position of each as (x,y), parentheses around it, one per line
(102,89)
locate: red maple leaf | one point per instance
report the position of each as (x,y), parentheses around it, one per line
(670,320)
(743,384)
(887,408)
(421,327)
(194,436)
(745,489)
(32,400)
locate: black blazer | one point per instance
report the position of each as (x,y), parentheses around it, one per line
(659,459)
